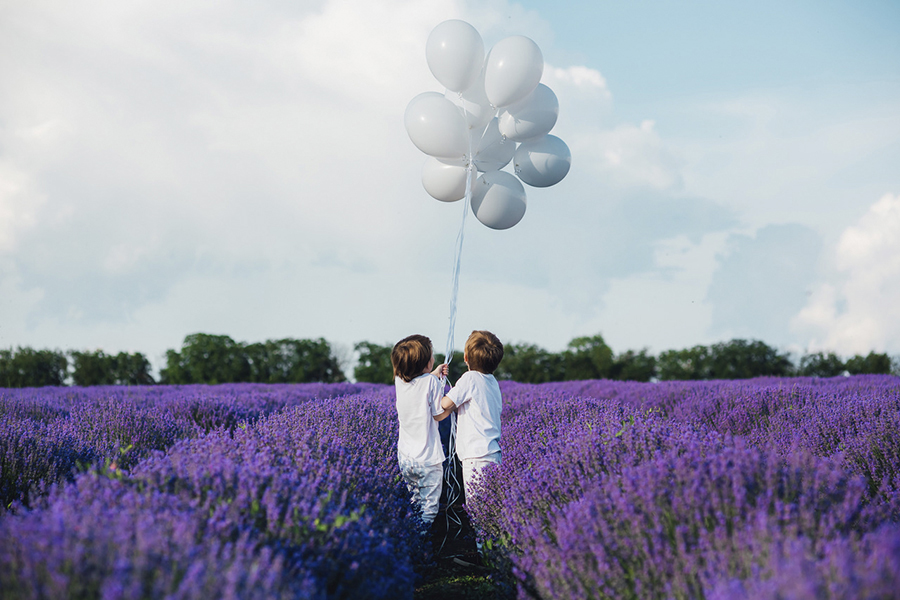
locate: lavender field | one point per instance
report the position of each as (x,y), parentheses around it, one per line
(765,488)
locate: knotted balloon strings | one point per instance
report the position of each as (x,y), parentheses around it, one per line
(453,484)
(453,487)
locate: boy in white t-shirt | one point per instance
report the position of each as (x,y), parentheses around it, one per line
(477,400)
(419,393)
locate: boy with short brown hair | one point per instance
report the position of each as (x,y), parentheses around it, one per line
(478,402)
(419,391)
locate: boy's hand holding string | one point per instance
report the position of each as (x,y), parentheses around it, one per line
(441,372)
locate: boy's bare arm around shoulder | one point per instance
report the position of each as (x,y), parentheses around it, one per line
(448,406)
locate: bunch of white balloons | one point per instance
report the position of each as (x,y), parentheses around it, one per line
(494,111)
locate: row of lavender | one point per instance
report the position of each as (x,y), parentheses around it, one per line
(769,488)
(608,489)
(46,434)
(239,491)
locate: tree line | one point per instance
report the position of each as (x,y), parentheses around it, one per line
(592,358)
(26,367)
(211,359)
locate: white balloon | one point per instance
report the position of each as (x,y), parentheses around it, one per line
(498,199)
(513,69)
(455,54)
(532,116)
(492,151)
(474,103)
(444,182)
(542,162)
(436,126)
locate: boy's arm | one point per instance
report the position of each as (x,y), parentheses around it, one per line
(443,415)
(448,406)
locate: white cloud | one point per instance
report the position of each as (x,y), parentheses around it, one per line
(585,103)
(636,156)
(625,155)
(861,313)
(762,281)
(210,123)
(579,76)
(789,155)
(663,308)
(18,206)
(368,51)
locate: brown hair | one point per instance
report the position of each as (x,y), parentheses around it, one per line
(484,351)
(410,357)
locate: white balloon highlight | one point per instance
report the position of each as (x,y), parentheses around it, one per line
(513,69)
(542,162)
(532,116)
(436,126)
(498,199)
(444,182)
(455,54)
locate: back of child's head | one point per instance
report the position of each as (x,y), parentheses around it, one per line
(483,352)
(410,357)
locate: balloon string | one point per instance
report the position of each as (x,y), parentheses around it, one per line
(460,236)
(454,285)
(454,489)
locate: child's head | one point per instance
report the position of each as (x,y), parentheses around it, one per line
(483,352)
(411,357)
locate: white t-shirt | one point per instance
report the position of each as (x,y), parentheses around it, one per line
(417,403)
(477,397)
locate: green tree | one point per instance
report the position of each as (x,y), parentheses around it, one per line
(215,359)
(92,368)
(99,368)
(175,372)
(587,358)
(527,363)
(206,358)
(27,367)
(688,364)
(132,369)
(293,361)
(633,366)
(260,363)
(740,359)
(374,364)
(871,364)
(820,364)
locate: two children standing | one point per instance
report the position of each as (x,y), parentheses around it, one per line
(421,403)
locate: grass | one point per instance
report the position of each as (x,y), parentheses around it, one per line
(455,571)
(458,586)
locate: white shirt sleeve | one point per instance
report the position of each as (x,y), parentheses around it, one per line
(435,395)
(460,393)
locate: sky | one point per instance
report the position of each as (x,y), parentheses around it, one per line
(243,169)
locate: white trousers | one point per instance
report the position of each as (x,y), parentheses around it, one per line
(471,468)
(424,484)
